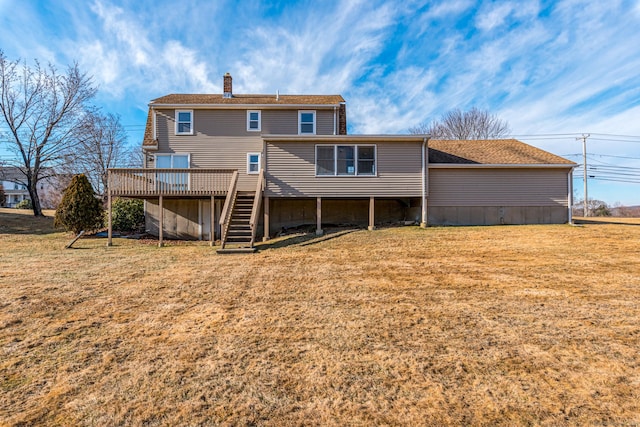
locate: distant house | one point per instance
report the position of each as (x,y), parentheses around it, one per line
(234,165)
(15,188)
(14,183)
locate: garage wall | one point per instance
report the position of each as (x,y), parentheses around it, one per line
(477,196)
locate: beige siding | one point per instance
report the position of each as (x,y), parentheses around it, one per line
(234,123)
(324,122)
(498,187)
(205,123)
(291,173)
(280,122)
(211,151)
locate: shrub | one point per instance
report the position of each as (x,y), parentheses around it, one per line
(3,198)
(127,214)
(79,209)
(25,204)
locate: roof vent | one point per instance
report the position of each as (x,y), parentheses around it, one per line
(277,95)
(227,86)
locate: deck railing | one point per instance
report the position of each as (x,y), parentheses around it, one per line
(149,182)
(257,203)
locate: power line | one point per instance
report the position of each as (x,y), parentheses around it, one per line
(618,136)
(616,140)
(601,155)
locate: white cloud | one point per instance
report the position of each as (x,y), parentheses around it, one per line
(447,8)
(132,38)
(323,53)
(185,68)
(494,17)
(105,65)
(125,56)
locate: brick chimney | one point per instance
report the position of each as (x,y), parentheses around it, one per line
(342,119)
(227,86)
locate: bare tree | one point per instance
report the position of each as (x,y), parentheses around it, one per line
(42,110)
(102,145)
(472,124)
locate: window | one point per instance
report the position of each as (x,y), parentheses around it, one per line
(307,122)
(325,160)
(366,160)
(184,122)
(253,163)
(253,120)
(171,180)
(345,160)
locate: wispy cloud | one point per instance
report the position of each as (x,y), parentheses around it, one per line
(324,50)
(125,56)
(494,17)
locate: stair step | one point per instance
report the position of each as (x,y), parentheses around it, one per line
(238,238)
(236,250)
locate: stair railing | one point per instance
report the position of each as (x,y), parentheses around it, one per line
(257,204)
(227,209)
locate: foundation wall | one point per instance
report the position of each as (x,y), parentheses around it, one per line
(494,215)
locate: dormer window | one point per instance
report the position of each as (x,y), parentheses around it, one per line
(184,122)
(307,122)
(253,121)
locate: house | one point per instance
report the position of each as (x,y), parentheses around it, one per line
(235,166)
(14,182)
(15,188)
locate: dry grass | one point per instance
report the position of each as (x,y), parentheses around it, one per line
(528,325)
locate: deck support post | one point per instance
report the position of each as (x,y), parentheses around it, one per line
(160,221)
(424,217)
(265,233)
(372,210)
(212,228)
(109,216)
(319,231)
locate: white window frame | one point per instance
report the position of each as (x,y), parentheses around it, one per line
(184,181)
(249,128)
(356,160)
(172,155)
(249,163)
(177,122)
(300,113)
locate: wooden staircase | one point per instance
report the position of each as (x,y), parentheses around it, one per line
(239,219)
(239,233)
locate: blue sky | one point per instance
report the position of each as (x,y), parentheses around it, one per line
(553,69)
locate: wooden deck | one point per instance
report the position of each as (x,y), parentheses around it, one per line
(151,182)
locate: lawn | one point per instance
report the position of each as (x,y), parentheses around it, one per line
(507,325)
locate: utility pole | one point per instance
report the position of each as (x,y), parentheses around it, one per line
(584,167)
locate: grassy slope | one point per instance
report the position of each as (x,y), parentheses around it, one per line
(468,325)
